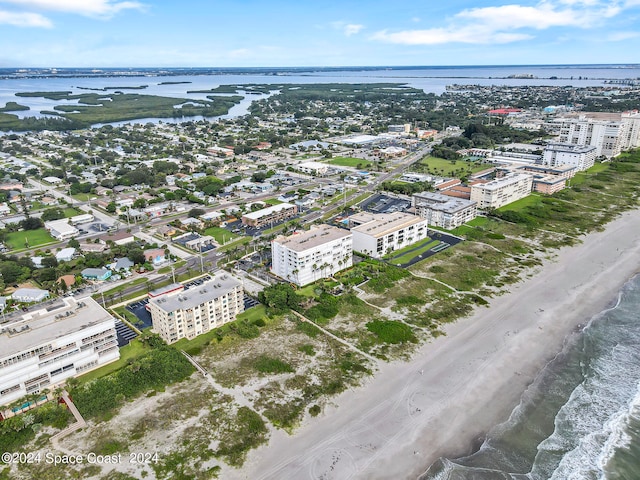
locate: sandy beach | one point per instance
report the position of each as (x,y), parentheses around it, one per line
(456,387)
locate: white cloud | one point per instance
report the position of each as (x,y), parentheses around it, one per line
(504,24)
(438,36)
(24,19)
(347,29)
(352,29)
(619,36)
(89,8)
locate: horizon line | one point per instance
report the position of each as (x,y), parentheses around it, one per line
(305,67)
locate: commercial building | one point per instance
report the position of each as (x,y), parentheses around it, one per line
(582,157)
(189,313)
(502,191)
(84,218)
(28,295)
(45,347)
(270,215)
(304,257)
(444,211)
(379,234)
(61,229)
(314,168)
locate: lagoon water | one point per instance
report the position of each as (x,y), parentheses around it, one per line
(580,419)
(430,79)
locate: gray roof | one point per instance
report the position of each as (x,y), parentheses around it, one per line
(47,324)
(220,285)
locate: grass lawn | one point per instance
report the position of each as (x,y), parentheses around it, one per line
(119,288)
(222,235)
(408,253)
(167,269)
(350,162)
(450,168)
(519,205)
(478,222)
(71,212)
(135,349)
(272,201)
(16,240)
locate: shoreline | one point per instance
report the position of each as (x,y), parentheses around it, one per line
(454,389)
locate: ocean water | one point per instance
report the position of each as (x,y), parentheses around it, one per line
(580,418)
(429,79)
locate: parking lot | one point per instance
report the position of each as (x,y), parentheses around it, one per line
(381,203)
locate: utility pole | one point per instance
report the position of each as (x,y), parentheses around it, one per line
(173,273)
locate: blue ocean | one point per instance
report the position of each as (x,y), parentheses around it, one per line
(580,418)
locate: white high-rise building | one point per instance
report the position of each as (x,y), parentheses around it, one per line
(502,191)
(303,258)
(43,348)
(580,156)
(381,233)
(188,313)
(610,133)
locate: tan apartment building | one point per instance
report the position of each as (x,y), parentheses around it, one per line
(502,191)
(189,313)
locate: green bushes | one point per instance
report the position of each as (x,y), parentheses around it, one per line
(16,432)
(391,331)
(266,364)
(246,432)
(326,308)
(155,370)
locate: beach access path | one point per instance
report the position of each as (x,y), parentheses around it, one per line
(458,386)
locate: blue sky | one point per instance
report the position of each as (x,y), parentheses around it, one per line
(254,33)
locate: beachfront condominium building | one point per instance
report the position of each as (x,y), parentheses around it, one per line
(270,215)
(378,234)
(610,133)
(43,348)
(188,313)
(305,257)
(444,211)
(502,191)
(582,157)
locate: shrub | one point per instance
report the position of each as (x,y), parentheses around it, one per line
(266,364)
(391,331)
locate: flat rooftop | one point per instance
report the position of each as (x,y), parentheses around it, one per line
(570,148)
(443,203)
(381,224)
(41,326)
(501,182)
(315,237)
(221,284)
(268,211)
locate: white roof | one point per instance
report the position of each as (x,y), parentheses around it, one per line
(66,252)
(268,211)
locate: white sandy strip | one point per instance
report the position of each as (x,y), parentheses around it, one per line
(403,420)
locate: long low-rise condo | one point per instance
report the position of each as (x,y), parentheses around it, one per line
(177,313)
(444,211)
(45,347)
(502,191)
(304,257)
(378,234)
